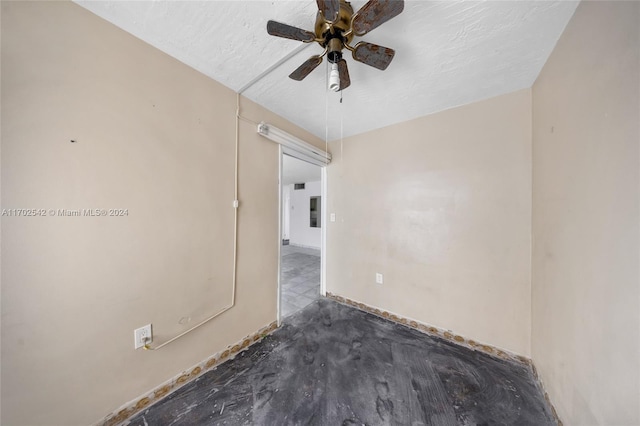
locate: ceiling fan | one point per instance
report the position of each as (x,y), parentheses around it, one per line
(336,25)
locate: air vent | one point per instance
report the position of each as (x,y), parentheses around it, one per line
(297,186)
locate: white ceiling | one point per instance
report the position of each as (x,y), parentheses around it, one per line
(448,53)
(298,171)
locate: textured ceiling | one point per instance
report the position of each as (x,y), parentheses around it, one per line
(448,53)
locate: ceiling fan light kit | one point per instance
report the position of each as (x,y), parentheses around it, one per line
(334,78)
(336,26)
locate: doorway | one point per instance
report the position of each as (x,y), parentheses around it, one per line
(302,234)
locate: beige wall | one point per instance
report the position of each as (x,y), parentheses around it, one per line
(586,286)
(441,206)
(154,137)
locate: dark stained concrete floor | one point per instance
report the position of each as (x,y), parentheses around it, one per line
(331,364)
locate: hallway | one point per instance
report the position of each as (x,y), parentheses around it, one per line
(299,278)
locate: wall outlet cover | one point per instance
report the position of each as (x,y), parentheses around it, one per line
(142,335)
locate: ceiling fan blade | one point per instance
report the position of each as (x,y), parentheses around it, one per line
(287,31)
(375,13)
(345,81)
(371,54)
(329,9)
(305,69)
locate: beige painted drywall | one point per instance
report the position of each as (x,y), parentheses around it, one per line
(154,137)
(441,206)
(586,282)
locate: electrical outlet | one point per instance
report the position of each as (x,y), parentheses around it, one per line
(332,217)
(379,277)
(142,336)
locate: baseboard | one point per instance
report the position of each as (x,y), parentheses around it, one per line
(132,408)
(453,338)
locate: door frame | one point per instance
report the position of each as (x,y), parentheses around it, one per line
(283,150)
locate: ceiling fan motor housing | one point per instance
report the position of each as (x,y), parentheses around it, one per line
(332,33)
